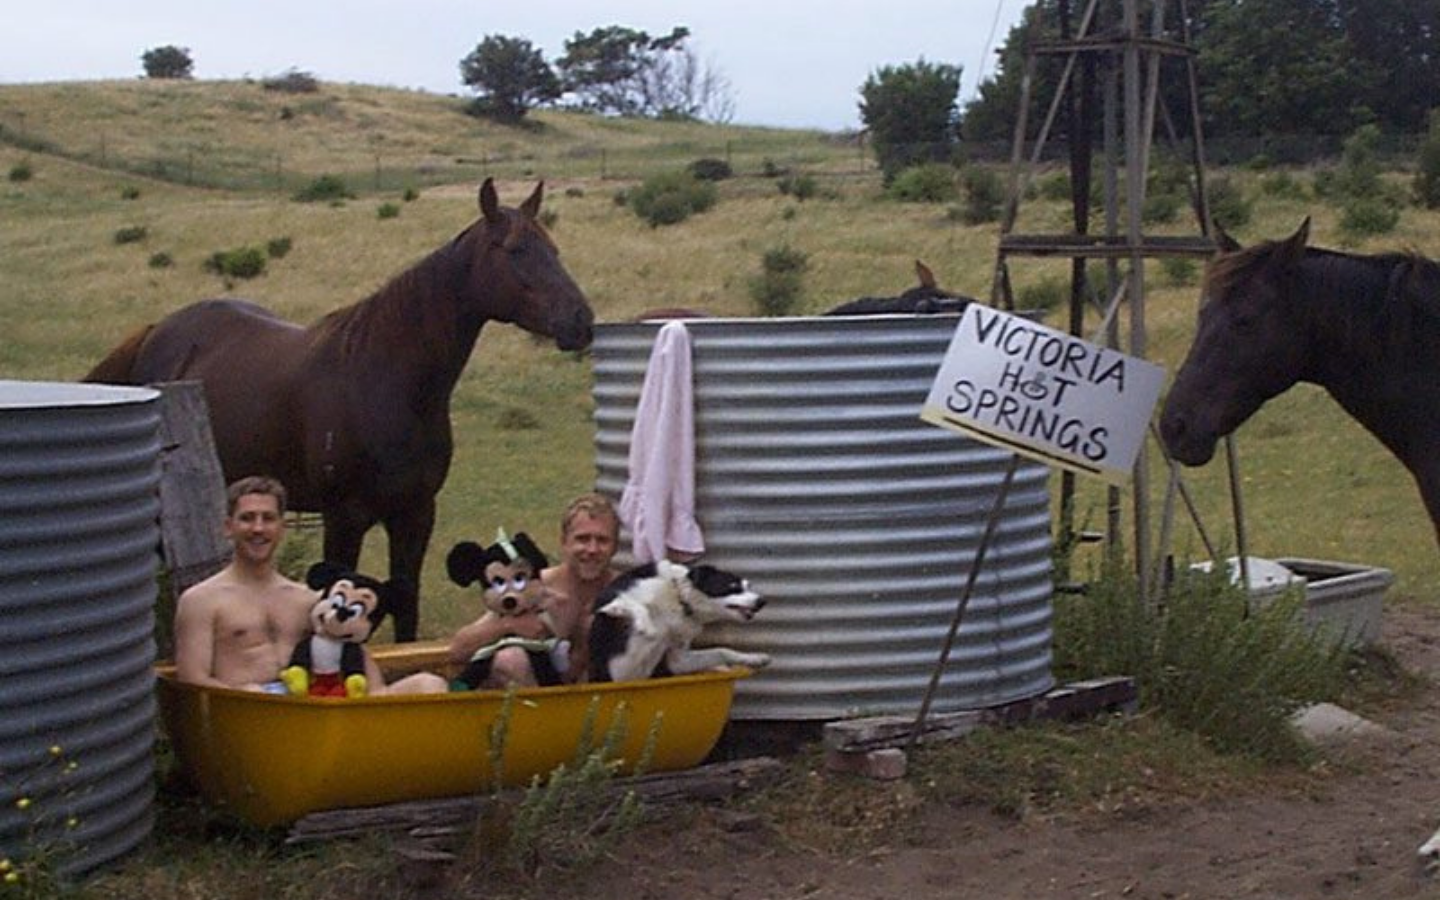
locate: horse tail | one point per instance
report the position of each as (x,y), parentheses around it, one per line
(119,366)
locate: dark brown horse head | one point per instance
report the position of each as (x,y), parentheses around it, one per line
(525,282)
(1246,348)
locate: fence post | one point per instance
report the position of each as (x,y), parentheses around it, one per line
(192,499)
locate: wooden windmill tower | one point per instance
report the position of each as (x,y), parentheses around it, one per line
(1113,62)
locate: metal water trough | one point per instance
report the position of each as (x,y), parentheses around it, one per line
(1343,598)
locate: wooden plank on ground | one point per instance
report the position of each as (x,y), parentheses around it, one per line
(451,815)
(1068,701)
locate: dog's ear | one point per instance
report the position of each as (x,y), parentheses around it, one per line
(714,582)
(466,562)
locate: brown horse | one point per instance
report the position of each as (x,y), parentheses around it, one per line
(1365,328)
(352,413)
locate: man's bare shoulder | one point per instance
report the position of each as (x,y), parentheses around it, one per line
(226,583)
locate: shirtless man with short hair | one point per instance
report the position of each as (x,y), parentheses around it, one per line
(238,627)
(589,537)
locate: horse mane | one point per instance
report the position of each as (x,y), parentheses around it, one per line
(399,305)
(1407,273)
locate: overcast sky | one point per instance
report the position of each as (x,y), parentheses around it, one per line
(791,63)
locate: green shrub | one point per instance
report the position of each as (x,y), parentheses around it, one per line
(410,195)
(1055,187)
(131,234)
(771,169)
(574,191)
(277,248)
(292,81)
(1160,208)
(984,195)
(709,169)
(1050,292)
(161,260)
(670,197)
(1228,207)
(388,210)
(801,187)
(781,283)
(130,192)
(929,183)
(1282,186)
(1364,216)
(324,188)
(1427,166)
(241,262)
(1205,659)
(22,171)
(1180,271)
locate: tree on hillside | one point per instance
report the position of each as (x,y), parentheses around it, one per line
(168,61)
(911,114)
(623,71)
(510,76)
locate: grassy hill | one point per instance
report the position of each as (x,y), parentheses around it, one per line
(193,168)
(240,135)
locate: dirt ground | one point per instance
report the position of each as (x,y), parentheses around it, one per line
(1355,837)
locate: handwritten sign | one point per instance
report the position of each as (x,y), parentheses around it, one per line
(1044,394)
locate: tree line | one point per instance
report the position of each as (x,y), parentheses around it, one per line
(1265,67)
(1297,73)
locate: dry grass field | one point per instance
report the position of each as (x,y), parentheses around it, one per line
(1314,484)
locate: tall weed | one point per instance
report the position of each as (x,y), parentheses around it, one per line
(1204,658)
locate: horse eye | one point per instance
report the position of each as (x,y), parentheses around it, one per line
(497,583)
(357,609)
(519,582)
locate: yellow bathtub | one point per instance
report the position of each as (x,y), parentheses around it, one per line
(272,759)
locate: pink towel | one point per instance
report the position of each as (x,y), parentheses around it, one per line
(658,504)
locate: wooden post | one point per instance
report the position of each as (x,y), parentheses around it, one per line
(192,488)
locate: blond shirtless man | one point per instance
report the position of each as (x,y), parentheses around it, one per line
(238,627)
(589,537)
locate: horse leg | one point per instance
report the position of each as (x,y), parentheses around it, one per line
(409,534)
(345,536)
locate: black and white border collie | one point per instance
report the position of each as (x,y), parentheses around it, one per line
(645,620)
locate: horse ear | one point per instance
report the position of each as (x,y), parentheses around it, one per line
(1294,246)
(927,277)
(489,203)
(531,206)
(1225,242)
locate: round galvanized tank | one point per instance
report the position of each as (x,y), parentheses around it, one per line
(817,480)
(79,475)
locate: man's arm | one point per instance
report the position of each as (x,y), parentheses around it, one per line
(485,630)
(195,640)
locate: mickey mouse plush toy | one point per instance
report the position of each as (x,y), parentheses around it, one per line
(331,661)
(509,575)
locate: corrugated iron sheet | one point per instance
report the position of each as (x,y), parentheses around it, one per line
(816,479)
(79,477)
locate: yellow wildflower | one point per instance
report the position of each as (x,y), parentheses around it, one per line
(22,804)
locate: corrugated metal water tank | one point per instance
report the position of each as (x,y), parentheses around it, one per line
(79,475)
(817,480)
